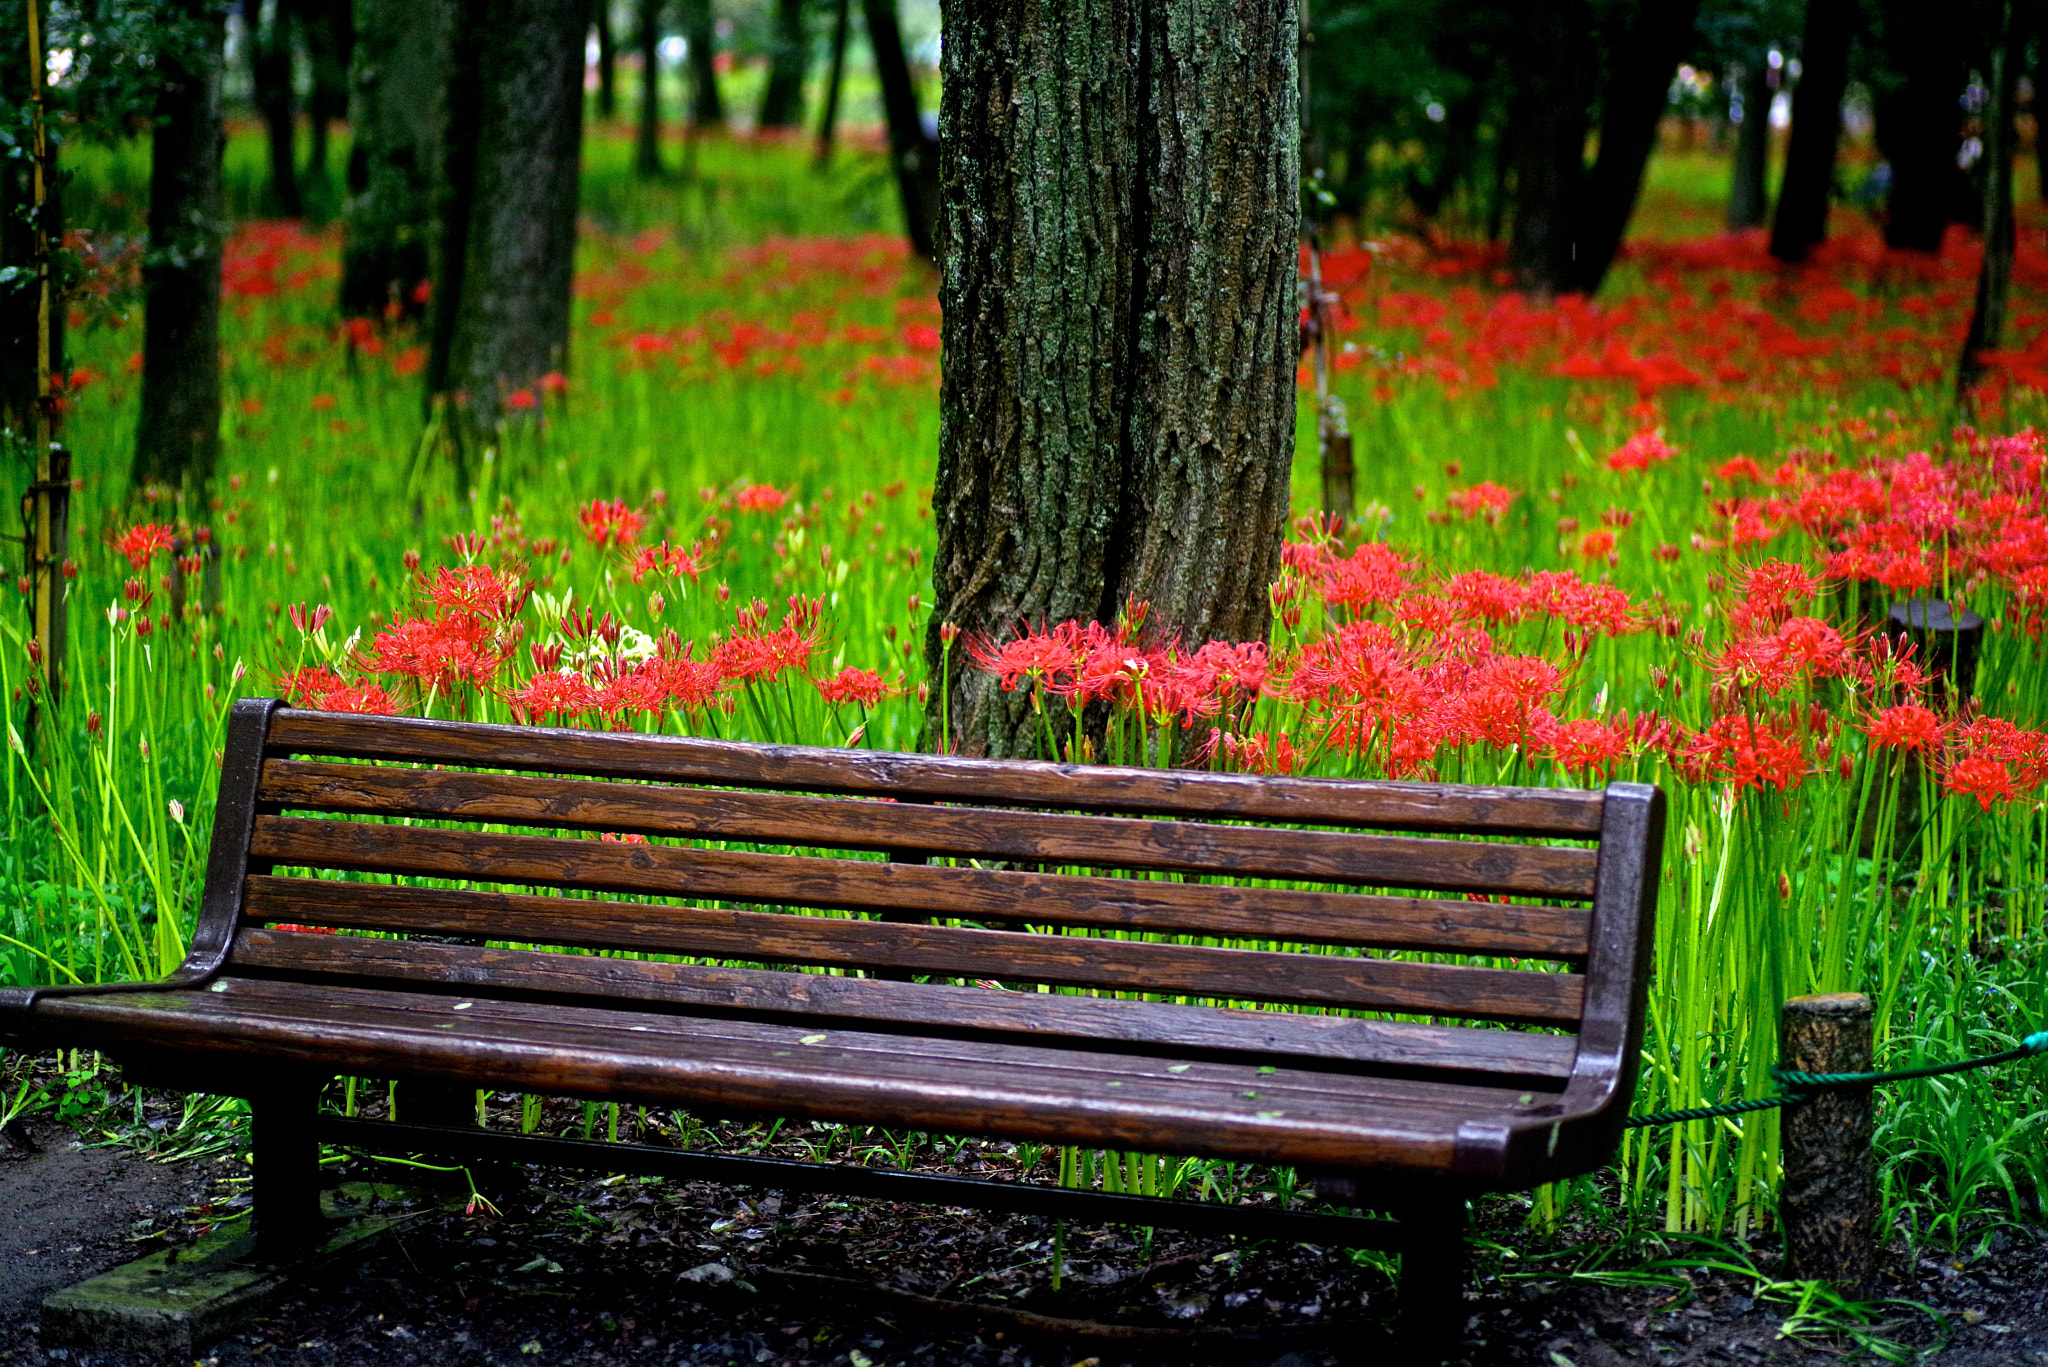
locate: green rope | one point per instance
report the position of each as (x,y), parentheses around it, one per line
(1803,1084)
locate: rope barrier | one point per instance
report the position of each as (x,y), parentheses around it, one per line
(1804,1084)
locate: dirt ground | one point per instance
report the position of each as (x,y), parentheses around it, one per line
(581,1269)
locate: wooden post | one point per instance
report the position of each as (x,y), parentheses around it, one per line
(1430,1325)
(1828,1203)
(287,1157)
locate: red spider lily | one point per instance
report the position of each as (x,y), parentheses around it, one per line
(437,651)
(557,693)
(1802,649)
(753,652)
(1375,573)
(1750,752)
(1503,701)
(1982,777)
(1034,655)
(1596,545)
(1641,451)
(1909,726)
(522,400)
(1485,499)
(141,543)
(669,560)
(665,682)
(309,622)
(862,686)
(361,696)
(1590,747)
(760,498)
(1270,753)
(475,591)
(1493,599)
(610,524)
(320,689)
(1562,595)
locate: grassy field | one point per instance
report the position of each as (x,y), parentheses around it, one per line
(1644,537)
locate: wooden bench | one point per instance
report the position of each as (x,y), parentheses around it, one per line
(1224,966)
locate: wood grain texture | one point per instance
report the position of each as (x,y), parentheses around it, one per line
(1543,812)
(1213,1109)
(906,829)
(1447,990)
(1100,1022)
(928,890)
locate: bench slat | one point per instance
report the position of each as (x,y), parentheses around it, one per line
(1449,990)
(1561,813)
(841,823)
(1104,1022)
(924,890)
(1224,1109)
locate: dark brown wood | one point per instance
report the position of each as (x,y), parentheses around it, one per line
(1328,1040)
(287,1163)
(1166,919)
(1432,1316)
(1560,813)
(1449,990)
(1828,1202)
(909,832)
(1272,914)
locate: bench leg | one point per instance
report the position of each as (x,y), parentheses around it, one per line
(1431,1324)
(287,1199)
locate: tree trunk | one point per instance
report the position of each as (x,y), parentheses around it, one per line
(1117,402)
(1749,192)
(782,103)
(402,54)
(510,311)
(1919,123)
(1553,89)
(177,437)
(21,265)
(607,61)
(330,44)
(1994,277)
(1802,220)
(647,35)
(913,151)
(270,76)
(1632,106)
(828,121)
(707,107)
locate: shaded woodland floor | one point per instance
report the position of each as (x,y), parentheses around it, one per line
(590,1270)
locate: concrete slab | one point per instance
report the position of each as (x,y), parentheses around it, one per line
(169,1305)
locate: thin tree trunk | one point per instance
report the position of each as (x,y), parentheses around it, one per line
(1553,91)
(1802,219)
(607,61)
(1994,277)
(177,436)
(707,107)
(1749,193)
(647,34)
(454,193)
(1117,405)
(511,324)
(913,152)
(1919,123)
(1638,92)
(828,122)
(782,102)
(21,264)
(270,76)
(330,43)
(403,51)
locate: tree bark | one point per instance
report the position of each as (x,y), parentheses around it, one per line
(828,121)
(1994,276)
(402,54)
(177,437)
(1553,90)
(20,293)
(782,102)
(270,76)
(1631,108)
(647,36)
(330,45)
(1749,193)
(1919,124)
(1802,219)
(607,60)
(1120,218)
(707,107)
(912,151)
(510,313)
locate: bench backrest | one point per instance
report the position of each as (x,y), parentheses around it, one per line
(1188,889)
